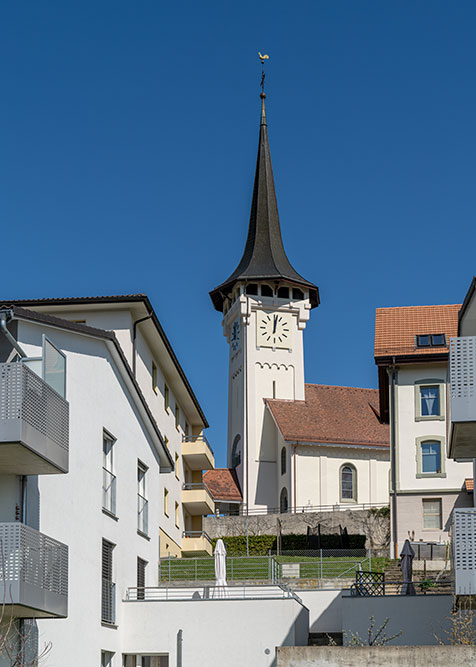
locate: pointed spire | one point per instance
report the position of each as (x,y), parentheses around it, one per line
(264,257)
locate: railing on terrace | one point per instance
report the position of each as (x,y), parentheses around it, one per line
(243,592)
(301,509)
(198,438)
(329,564)
(369,584)
(194,486)
(196,533)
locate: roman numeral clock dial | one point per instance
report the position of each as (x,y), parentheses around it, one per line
(274,330)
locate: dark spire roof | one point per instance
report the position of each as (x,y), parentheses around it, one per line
(264,257)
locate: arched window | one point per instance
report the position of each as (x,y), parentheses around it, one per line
(283,501)
(283,460)
(236,452)
(348,483)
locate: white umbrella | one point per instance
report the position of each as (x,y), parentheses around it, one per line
(220,570)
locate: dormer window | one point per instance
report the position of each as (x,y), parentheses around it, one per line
(266,290)
(283,293)
(252,289)
(431,340)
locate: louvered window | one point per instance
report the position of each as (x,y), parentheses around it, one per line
(108,601)
(141,565)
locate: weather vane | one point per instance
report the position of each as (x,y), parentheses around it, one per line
(262,58)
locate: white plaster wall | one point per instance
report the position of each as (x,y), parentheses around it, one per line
(325,609)
(71,505)
(216,632)
(409,430)
(318,470)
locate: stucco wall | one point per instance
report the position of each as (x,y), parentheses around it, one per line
(215,632)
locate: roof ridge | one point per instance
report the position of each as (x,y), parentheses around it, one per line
(436,305)
(338,386)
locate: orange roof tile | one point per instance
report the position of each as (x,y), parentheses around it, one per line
(335,415)
(396,328)
(223,484)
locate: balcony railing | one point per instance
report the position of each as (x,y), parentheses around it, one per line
(199,438)
(193,486)
(33,572)
(35,418)
(142,514)
(108,491)
(108,602)
(197,533)
(462,435)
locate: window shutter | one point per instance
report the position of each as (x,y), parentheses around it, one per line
(107,548)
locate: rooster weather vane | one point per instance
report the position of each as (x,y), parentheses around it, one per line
(263,75)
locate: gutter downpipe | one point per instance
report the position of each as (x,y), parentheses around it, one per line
(294,475)
(6,315)
(134,334)
(179,647)
(393,457)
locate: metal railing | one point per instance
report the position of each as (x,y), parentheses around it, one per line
(196,533)
(108,602)
(198,438)
(108,491)
(194,486)
(430,550)
(329,564)
(302,509)
(191,593)
(142,514)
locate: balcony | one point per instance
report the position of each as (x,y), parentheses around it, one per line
(196,543)
(197,500)
(34,424)
(464,550)
(33,573)
(462,428)
(197,453)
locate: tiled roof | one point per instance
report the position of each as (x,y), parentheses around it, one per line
(396,328)
(223,484)
(469,484)
(336,415)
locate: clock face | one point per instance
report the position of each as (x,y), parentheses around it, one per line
(274,330)
(235,336)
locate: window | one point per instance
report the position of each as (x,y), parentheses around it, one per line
(146,661)
(166,502)
(252,289)
(142,503)
(283,460)
(266,290)
(348,483)
(429,400)
(177,517)
(283,293)
(177,466)
(432,514)
(166,398)
(177,416)
(236,452)
(108,598)
(54,367)
(106,658)
(141,565)
(283,501)
(154,378)
(430,457)
(108,477)
(430,340)
(298,294)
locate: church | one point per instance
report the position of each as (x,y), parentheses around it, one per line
(291,446)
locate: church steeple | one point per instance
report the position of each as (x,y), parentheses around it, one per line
(264,257)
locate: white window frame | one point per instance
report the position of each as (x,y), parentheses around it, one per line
(142,502)
(109,478)
(354,483)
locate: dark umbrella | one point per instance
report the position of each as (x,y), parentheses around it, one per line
(407,555)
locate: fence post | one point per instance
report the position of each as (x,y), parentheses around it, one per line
(321,562)
(232,575)
(369,553)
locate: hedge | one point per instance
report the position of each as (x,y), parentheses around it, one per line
(260,545)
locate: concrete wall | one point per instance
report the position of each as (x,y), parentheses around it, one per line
(381,656)
(215,632)
(325,609)
(376,528)
(419,617)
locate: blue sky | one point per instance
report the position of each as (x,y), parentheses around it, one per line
(129,137)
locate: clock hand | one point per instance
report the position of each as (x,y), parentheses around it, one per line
(275,323)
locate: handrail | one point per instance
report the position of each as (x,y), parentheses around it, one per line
(196,533)
(198,438)
(193,486)
(302,509)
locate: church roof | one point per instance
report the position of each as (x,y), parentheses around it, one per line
(333,415)
(223,484)
(264,257)
(396,329)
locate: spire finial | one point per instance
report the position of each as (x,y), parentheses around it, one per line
(263,94)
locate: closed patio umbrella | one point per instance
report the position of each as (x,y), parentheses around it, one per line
(220,571)
(407,555)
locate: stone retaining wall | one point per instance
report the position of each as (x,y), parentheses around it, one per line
(383,656)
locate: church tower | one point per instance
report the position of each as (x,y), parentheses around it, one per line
(265,305)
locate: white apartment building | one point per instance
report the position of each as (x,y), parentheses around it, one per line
(102,450)
(411,352)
